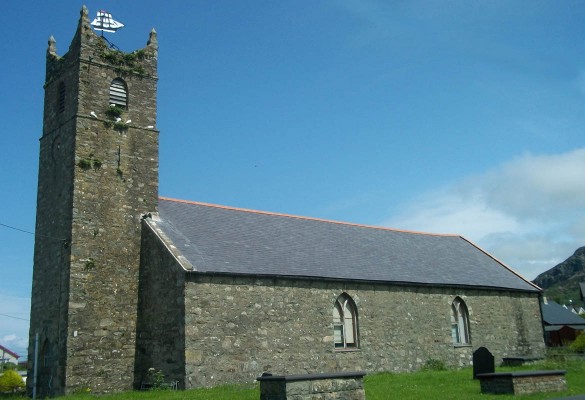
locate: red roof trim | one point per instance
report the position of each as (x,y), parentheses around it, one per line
(502,264)
(305,218)
(5,350)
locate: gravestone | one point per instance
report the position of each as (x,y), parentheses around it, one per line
(483,362)
(335,385)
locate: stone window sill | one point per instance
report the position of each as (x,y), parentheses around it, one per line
(458,345)
(347,350)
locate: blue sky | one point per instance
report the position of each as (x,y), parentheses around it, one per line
(447,117)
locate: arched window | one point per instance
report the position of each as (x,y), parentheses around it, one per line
(45,359)
(460,322)
(119,93)
(345,332)
(61,98)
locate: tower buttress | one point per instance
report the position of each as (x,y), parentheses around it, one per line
(98,173)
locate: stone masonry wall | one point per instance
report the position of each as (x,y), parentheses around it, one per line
(326,389)
(96,179)
(233,329)
(525,382)
(50,287)
(312,387)
(109,199)
(236,328)
(540,384)
(160,340)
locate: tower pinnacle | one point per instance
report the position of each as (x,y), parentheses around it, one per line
(52,49)
(152,39)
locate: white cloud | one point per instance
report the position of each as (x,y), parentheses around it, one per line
(448,212)
(529,212)
(15,343)
(538,187)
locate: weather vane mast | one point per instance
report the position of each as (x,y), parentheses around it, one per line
(105,23)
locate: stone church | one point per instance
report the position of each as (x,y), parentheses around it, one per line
(125,280)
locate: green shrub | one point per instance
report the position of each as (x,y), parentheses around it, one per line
(156,378)
(115,111)
(7,365)
(123,62)
(84,391)
(84,164)
(89,264)
(120,126)
(579,344)
(434,365)
(10,381)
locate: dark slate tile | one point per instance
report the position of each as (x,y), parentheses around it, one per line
(229,240)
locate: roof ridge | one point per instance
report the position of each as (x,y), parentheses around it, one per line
(306,218)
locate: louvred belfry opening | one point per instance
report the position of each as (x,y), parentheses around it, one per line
(118,93)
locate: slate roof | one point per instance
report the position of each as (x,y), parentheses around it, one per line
(217,239)
(555,314)
(554,328)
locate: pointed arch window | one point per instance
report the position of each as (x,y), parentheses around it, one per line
(45,354)
(345,328)
(61,98)
(119,93)
(460,322)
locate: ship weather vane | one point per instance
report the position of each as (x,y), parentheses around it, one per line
(105,23)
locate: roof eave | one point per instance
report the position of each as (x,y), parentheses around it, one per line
(151,223)
(357,280)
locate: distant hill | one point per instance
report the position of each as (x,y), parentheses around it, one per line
(561,283)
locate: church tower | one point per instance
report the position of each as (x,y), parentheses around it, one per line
(98,173)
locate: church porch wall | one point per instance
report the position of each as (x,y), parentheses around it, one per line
(238,328)
(160,325)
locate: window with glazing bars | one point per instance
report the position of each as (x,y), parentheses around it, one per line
(345,332)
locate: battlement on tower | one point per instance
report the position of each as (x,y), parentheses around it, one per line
(89,47)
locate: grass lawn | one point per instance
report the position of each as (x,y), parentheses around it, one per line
(231,392)
(426,385)
(458,384)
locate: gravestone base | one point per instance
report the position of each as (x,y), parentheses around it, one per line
(338,386)
(523,382)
